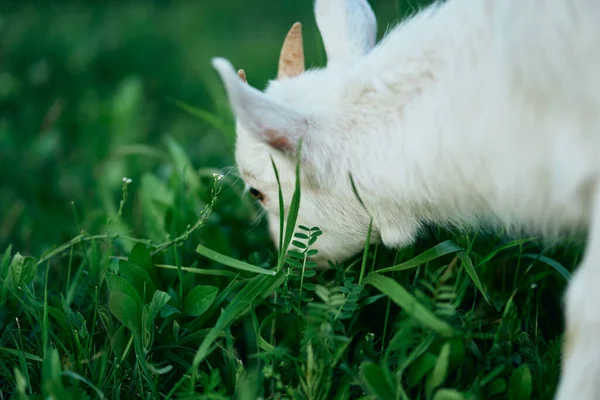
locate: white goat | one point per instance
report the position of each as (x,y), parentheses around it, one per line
(469,113)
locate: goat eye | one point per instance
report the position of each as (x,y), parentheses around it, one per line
(257,194)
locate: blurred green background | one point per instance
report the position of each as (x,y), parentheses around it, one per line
(84,84)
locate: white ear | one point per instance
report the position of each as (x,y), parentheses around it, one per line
(274,123)
(348,28)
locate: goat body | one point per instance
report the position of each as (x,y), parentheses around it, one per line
(469,114)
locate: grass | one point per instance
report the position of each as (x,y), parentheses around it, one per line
(158,285)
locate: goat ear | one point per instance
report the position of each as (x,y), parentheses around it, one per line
(274,123)
(348,28)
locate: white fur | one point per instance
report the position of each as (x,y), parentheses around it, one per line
(353,34)
(469,114)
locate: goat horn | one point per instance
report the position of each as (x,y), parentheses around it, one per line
(242,74)
(291,59)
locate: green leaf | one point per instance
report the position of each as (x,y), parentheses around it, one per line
(52,386)
(21,385)
(75,319)
(295,254)
(199,300)
(125,303)
(309,273)
(232,262)
(29,270)
(438,251)
(448,394)
(496,387)
(159,300)
(168,310)
(147,327)
(5,263)
(409,303)
(294,263)
(57,315)
(127,310)
(118,342)
(20,272)
(176,329)
(140,255)
(440,370)
(468,264)
(15,271)
(420,368)
(138,278)
(520,384)
(298,244)
(377,380)
(51,368)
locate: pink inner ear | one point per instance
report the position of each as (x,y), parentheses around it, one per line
(275,140)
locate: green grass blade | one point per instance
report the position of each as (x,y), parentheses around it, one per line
(281,256)
(232,262)
(440,370)
(199,271)
(292,212)
(409,303)
(369,231)
(205,116)
(514,243)
(256,289)
(356,194)
(553,263)
(260,341)
(19,353)
(363,266)
(442,249)
(45,321)
(80,378)
(468,264)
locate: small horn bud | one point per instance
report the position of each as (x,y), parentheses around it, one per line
(242,74)
(291,58)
